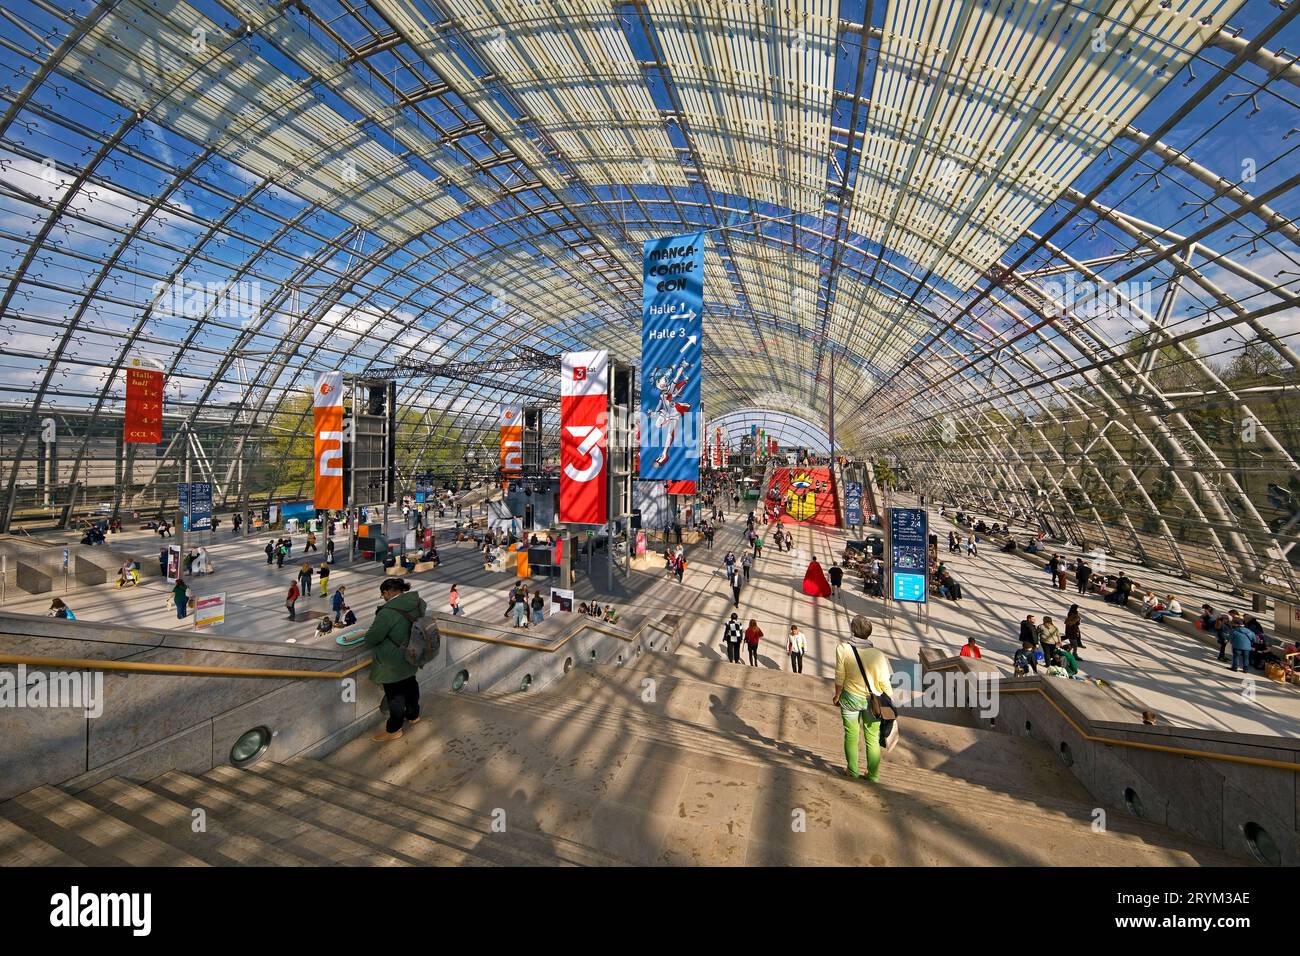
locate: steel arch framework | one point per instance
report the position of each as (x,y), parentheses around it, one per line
(1049,245)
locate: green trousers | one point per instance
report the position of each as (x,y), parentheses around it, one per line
(856,712)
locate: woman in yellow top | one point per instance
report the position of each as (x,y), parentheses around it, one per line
(851,693)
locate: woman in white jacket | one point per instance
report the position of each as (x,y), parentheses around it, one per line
(796,646)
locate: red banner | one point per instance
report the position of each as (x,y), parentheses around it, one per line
(584,408)
(144,407)
(683,487)
(327,403)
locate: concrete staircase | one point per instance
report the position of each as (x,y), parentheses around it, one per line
(664,760)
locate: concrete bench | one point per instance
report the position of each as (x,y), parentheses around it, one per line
(89,574)
(33,580)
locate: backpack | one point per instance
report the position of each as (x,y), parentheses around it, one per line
(424,642)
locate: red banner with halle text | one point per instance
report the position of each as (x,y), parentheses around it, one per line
(144,407)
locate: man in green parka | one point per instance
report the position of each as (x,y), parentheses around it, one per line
(387,638)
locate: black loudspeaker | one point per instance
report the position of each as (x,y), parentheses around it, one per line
(636,520)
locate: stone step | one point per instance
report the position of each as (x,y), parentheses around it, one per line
(459,817)
(922,741)
(88,834)
(1045,790)
(605,804)
(20,848)
(793,755)
(221,843)
(379,838)
(394,806)
(318,846)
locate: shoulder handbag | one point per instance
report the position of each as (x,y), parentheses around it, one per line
(878,710)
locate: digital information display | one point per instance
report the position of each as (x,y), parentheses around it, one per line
(909,534)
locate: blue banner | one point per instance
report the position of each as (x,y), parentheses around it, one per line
(908,554)
(672,333)
(853,503)
(195,505)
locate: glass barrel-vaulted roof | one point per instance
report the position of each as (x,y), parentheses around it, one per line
(1049,245)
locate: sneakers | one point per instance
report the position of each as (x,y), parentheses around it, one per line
(384,736)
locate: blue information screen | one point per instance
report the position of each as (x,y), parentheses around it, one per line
(909,536)
(909,587)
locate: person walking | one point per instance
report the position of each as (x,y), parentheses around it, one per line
(746,563)
(753,634)
(388,637)
(181,597)
(972,550)
(281,552)
(735,581)
(861,673)
(680,567)
(291,598)
(837,578)
(1082,573)
(1073,629)
(731,635)
(311,542)
(329,550)
(796,646)
(270,552)
(338,602)
(453,599)
(324,580)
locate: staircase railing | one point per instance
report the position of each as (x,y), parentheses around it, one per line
(203,670)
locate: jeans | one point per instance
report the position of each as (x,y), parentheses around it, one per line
(733,651)
(538,616)
(856,713)
(1243,656)
(457,609)
(796,661)
(180,608)
(403,703)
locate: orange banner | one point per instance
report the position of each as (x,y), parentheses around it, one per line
(512,440)
(327,402)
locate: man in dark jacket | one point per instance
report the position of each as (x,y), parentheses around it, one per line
(387,637)
(1029,630)
(837,578)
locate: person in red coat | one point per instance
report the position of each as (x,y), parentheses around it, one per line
(814,581)
(970,649)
